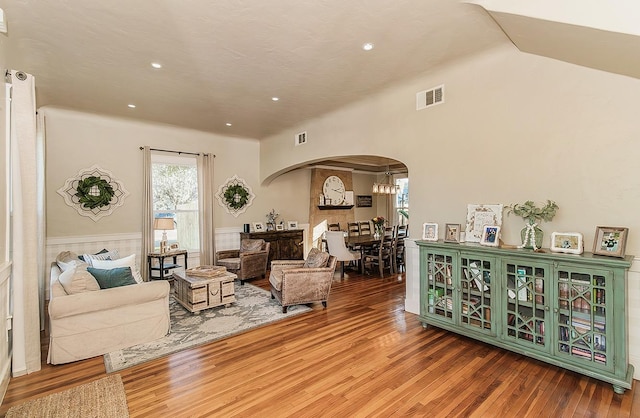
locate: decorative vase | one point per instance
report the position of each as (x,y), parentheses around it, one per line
(379,230)
(531,236)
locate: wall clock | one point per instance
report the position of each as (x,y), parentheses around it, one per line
(235,195)
(334,190)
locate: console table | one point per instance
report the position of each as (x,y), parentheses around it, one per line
(163,267)
(564,309)
(285,245)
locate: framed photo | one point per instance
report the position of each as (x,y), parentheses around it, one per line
(567,242)
(480,215)
(364,201)
(490,236)
(452,233)
(292,224)
(258,227)
(430,231)
(610,241)
(279,227)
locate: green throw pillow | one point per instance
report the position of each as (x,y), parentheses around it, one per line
(115,277)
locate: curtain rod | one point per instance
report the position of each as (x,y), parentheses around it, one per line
(177,152)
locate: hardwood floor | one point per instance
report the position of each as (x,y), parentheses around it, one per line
(362,356)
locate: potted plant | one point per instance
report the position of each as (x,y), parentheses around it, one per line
(378,226)
(532,235)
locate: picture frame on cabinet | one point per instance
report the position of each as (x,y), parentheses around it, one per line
(480,215)
(430,231)
(292,224)
(567,242)
(610,241)
(279,227)
(452,233)
(258,227)
(490,236)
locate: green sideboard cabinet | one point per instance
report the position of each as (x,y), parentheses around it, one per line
(565,309)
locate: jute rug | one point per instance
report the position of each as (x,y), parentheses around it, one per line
(104,398)
(253,308)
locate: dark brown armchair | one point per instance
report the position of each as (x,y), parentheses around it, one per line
(294,284)
(248,262)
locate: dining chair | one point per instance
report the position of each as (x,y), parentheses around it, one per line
(338,248)
(353,229)
(365,228)
(334,227)
(382,258)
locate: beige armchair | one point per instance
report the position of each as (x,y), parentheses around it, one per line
(249,262)
(294,284)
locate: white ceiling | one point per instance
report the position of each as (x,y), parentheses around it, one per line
(223,60)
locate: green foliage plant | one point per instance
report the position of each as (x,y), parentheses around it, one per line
(533,214)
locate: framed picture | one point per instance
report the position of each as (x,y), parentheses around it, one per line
(567,242)
(364,201)
(430,231)
(292,224)
(480,215)
(258,227)
(610,241)
(452,233)
(490,236)
(279,227)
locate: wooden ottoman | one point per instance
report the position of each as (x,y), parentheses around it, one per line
(196,293)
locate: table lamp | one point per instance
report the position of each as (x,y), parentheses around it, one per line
(165,224)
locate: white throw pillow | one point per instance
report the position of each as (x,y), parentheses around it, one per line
(67,260)
(129,261)
(78,280)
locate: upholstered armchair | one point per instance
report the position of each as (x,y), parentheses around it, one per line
(298,282)
(249,262)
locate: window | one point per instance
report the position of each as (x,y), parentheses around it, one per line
(402,200)
(175,195)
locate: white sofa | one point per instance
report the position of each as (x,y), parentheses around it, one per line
(92,323)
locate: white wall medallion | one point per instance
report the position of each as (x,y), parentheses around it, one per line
(93,192)
(235,195)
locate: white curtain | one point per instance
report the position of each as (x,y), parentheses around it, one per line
(147,211)
(206,208)
(26,225)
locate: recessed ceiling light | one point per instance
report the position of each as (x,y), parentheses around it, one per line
(156,65)
(368,46)
(275,99)
(228,124)
(132,106)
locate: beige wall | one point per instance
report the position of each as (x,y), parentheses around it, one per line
(513,127)
(76,140)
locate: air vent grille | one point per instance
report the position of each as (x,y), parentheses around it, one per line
(429,97)
(301,138)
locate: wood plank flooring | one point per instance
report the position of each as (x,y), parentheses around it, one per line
(362,356)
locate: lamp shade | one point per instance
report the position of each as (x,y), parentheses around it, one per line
(163,223)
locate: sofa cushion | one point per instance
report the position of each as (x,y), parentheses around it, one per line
(78,280)
(115,277)
(248,245)
(316,258)
(128,261)
(107,255)
(68,259)
(230,263)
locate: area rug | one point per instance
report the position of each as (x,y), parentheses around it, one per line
(253,308)
(104,398)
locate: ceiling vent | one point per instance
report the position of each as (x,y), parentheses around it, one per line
(301,138)
(431,97)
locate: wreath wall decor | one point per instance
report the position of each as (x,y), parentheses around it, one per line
(93,192)
(235,195)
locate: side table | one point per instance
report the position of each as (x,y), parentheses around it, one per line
(163,267)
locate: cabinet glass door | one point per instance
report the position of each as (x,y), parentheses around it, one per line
(582,315)
(526,304)
(475,292)
(440,294)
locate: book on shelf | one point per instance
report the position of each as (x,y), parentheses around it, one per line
(523,291)
(477,276)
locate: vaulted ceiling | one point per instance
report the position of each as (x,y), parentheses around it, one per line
(223,61)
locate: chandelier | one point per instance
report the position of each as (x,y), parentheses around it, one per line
(387,187)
